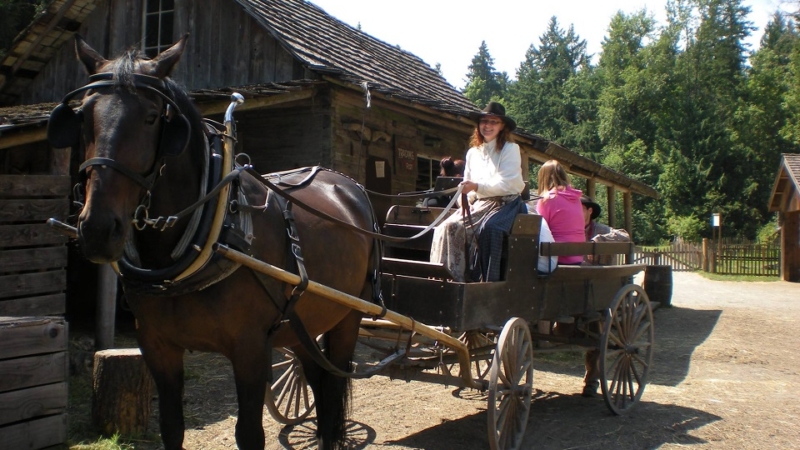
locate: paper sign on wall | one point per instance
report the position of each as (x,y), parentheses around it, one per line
(380,169)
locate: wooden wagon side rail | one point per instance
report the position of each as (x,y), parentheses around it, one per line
(360,305)
(586,248)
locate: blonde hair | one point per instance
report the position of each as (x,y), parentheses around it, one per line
(551,175)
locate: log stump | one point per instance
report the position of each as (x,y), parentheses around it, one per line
(122,389)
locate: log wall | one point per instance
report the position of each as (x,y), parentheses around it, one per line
(286,137)
(33,388)
(226,47)
(34,186)
(390,135)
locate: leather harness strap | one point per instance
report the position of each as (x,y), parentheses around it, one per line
(309,344)
(342,223)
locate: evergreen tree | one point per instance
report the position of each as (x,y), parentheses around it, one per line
(483,82)
(548,96)
(764,116)
(635,69)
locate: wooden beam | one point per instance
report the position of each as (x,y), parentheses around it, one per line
(591,188)
(23,137)
(612,206)
(627,201)
(448,120)
(219,107)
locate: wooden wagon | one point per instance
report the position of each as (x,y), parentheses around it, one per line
(476,335)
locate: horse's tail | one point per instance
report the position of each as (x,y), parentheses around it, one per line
(338,391)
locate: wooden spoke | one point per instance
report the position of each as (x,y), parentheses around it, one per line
(510,386)
(626,349)
(481,345)
(289,399)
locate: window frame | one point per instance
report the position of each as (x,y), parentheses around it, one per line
(164,42)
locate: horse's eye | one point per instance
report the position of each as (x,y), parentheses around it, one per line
(151,119)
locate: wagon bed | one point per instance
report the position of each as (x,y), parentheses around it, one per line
(422,290)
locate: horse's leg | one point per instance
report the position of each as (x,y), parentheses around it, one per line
(331,392)
(252,370)
(165,362)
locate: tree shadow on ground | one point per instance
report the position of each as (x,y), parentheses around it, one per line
(678,331)
(559,421)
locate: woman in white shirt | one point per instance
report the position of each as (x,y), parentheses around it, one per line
(493,183)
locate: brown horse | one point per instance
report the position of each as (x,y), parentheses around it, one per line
(145,146)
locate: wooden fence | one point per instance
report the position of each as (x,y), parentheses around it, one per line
(682,256)
(727,257)
(744,258)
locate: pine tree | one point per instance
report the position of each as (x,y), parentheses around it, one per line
(547,98)
(483,82)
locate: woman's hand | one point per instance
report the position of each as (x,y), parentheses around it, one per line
(468,186)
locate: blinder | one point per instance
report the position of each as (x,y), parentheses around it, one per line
(64,126)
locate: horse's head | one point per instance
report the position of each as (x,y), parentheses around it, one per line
(128,122)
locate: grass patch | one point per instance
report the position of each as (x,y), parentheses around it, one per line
(565,358)
(746,278)
(112,443)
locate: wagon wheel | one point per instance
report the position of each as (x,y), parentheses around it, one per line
(480,342)
(510,386)
(626,349)
(289,399)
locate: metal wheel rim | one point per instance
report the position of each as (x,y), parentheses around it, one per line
(289,399)
(626,349)
(510,386)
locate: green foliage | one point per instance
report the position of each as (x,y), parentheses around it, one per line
(740,278)
(112,443)
(689,228)
(684,107)
(770,232)
(554,95)
(483,82)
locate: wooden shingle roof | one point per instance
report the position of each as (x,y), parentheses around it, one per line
(38,43)
(786,190)
(326,45)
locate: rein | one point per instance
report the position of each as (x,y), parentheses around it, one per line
(339,222)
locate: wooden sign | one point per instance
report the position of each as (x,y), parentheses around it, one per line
(406,159)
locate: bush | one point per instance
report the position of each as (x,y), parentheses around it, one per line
(689,228)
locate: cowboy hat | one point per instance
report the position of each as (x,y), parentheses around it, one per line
(588,202)
(495,109)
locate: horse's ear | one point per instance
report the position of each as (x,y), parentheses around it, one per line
(166,60)
(88,56)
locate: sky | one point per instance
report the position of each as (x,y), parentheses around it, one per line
(449,32)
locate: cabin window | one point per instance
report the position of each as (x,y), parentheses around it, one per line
(427,171)
(157,25)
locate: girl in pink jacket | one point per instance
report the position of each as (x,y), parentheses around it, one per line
(560,205)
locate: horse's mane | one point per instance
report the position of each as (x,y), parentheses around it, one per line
(125,66)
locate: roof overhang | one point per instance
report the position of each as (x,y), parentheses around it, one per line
(27,124)
(785,195)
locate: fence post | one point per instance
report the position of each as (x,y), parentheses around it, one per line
(704,264)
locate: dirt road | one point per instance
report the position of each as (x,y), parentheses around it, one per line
(725,377)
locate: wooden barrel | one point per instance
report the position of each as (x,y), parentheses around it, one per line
(658,284)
